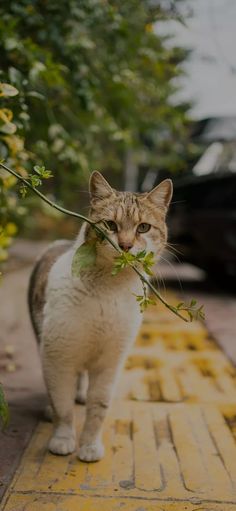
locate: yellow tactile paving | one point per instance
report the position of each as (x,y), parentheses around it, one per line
(170,435)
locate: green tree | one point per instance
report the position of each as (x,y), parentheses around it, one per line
(96,80)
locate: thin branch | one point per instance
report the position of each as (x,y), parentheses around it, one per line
(157,294)
(99,230)
(43,197)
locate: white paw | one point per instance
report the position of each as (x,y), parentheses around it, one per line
(62,445)
(91,452)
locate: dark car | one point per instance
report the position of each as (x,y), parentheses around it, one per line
(202,222)
(202,217)
(203,214)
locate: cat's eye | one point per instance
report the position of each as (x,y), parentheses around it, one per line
(111,225)
(143,227)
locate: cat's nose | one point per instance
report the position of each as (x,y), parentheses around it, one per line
(125,245)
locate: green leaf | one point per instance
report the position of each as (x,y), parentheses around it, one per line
(147,269)
(141,254)
(35,180)
(8,90)
(139,298)
(144,301)
(23,190)
(191,315)
(126,258)
(47,174)
(201,312)
(121,261)
(84,257)
(39,169)
(4,411)
(180,305)
(42,172)
(116,270)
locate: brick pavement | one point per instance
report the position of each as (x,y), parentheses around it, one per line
(170,435)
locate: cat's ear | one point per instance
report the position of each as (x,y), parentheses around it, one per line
(99,187)
(161,195)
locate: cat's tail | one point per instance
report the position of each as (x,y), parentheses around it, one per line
(38,282)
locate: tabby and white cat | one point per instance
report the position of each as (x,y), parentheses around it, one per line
(86,324)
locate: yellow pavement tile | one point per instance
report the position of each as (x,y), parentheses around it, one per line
(170,435)
(71,503)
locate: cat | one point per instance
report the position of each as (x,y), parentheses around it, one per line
(87,324)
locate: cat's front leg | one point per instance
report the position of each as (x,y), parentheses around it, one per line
(61,380)
(100,389)
(82,388)
(80,397)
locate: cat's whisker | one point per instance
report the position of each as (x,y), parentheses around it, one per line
(160,280)
(174,269)
(172,254)
(172,246)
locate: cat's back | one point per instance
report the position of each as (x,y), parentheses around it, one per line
(39,279)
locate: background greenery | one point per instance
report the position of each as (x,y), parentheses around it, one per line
(94,80)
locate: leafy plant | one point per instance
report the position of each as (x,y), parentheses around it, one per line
(12,149)
(193,311)
(145,259)
(94,82)
(35,179)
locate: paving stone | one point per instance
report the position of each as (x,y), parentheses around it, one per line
(170,435)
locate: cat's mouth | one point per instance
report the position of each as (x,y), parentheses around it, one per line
(108,249)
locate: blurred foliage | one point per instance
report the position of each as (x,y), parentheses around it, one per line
(12,149)
(94,79)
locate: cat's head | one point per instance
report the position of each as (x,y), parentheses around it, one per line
(134,221)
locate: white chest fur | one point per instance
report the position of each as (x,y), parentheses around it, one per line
(95,315)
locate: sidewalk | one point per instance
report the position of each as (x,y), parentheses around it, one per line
(170,435)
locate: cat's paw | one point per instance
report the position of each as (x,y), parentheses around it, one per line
(62,445)
(91,452)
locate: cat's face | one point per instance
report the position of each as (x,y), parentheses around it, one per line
(134,221)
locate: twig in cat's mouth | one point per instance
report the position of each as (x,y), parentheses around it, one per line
(146,261)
